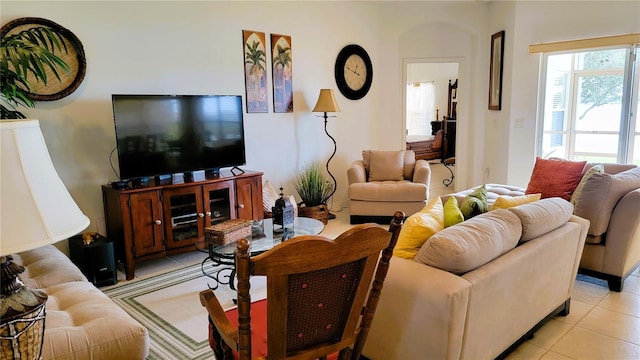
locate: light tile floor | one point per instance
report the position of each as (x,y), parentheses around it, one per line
(602,325)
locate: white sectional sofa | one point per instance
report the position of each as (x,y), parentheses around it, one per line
(475,301)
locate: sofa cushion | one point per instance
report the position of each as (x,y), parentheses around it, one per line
(555,178)
(595,169)
(388,191)
(452,213)
(418,228)
(472,243)
(600,195)
(47,266)
(505,202)
(493,192)
(475,203)
(540,217)
(83,323)
(612,168)
(384,165)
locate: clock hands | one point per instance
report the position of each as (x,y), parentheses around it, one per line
(353,71)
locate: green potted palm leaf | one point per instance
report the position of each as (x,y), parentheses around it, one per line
(29,54)
(314,191)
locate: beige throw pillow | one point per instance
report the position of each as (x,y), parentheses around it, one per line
(542,216)
(386,165)
(472,243)
(600,195)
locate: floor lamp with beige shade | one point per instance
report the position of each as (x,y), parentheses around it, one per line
(36,210)
(327,103)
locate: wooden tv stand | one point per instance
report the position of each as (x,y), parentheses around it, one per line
(162,218)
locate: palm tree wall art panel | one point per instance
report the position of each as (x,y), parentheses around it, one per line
(255,71)
(282,73)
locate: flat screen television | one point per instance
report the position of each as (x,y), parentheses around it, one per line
(169,134)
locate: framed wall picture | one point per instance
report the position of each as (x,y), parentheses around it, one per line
(255,71)
(495,71)
(282,73)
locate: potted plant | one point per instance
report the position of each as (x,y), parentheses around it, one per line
(29,53)
(314,191)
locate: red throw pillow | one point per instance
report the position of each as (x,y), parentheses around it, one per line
(555,178)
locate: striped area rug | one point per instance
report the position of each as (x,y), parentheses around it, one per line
(168,305)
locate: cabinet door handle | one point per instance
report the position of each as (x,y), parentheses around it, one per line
(240,206)
(208,213)
(158,222)
(200,215)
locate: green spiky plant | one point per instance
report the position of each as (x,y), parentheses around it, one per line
(29,52)
(310,183)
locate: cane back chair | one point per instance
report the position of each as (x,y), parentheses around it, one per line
(320,296)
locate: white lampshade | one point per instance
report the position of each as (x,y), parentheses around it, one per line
(36,208)
(326,102)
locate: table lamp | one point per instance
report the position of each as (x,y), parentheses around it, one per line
(36,210)
(327,103)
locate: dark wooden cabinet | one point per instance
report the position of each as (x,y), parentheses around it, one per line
(160,218)
(449,125)
(449,150)
(145,213)
(249,198)
(188,210)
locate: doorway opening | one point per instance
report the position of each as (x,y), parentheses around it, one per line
(428,106)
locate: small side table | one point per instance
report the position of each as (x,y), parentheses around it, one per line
(96,260)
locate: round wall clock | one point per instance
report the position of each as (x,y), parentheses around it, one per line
(353,72)
(74,57)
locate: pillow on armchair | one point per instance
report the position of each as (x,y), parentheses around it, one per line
(384,165)
(555,178)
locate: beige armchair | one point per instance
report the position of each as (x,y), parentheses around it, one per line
(612,249)
(384,182)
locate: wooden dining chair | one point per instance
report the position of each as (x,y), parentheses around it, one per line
(321,296)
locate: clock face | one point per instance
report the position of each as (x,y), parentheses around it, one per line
(353,72)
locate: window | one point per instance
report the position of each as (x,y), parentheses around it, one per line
(420,108)
(589,105)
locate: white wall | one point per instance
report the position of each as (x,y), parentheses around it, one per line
(543,22)
(441,32)
(195,48)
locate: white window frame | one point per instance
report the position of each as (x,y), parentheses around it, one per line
(629,107)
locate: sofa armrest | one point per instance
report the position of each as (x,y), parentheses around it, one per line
(422,172)
(622,240)
(422,310)
(356,172)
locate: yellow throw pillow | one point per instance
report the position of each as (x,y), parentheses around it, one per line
(505,202)
(418,228)
(475,203)
(452,213)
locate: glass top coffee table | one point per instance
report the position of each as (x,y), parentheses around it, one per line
(220,261)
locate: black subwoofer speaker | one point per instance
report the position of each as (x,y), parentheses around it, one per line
(96,260)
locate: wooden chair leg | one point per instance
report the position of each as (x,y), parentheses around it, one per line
(222,351)
(345,354)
